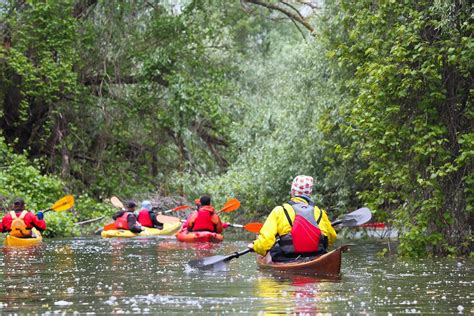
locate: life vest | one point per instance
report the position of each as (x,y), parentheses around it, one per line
(305,235)
(18,226)
(203,221)
(144,218)
(122,221)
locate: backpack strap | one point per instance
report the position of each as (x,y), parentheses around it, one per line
(320,216)
(13,215)
(23,214)
(287,215)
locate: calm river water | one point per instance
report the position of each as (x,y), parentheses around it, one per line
(149,275)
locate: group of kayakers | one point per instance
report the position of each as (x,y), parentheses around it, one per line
(295,229)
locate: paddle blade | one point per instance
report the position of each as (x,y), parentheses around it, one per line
(207,263)
(356,218)
(116,202)
(167,219)
(253,227)
(177,208)
(63,204)
(230,206)
(110,226)
(215,261)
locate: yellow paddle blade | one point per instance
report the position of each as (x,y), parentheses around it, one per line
(63,204)
(116,202)
(168,219)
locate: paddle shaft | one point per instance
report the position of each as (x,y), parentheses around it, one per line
(238,254)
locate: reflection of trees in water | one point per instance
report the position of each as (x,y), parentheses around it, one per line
(292,293)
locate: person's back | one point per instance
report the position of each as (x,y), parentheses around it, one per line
(205,218)
(126,219)
(147,217)
(19,222)
(302,229)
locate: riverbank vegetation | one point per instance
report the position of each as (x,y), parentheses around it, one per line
(235,98)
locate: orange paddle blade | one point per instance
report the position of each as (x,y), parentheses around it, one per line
(177,208)
(63,204)
(253,227)
(110,226)
(167,219)
(116,202)
(230,206)
(182,207)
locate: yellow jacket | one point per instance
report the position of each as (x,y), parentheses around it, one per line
(277,225)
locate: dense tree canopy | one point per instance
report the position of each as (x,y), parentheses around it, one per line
(235,98)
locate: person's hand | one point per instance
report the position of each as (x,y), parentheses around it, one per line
(40,215)
(250,246)
(225,225)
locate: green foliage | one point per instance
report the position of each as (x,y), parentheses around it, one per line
(404,68)
(60,224)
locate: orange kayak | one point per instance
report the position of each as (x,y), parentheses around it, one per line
(201,236)
(328,264)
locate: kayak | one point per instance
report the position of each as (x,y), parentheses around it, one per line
(201,236)
(328,264)
(13,241)
(168,230)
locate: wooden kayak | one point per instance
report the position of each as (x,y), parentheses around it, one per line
(328,264)
(168,230)
(12,241)
(201,236)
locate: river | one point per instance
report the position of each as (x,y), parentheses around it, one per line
(150,275)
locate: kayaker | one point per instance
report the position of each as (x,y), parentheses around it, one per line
(126,219)
(147,216)
(205,218)
(288,237)
(19,222)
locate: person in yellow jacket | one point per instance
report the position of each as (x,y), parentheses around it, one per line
(296,229)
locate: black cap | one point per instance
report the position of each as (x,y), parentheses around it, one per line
(131,204)
(205,200)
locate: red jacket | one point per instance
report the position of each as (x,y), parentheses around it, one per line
(148,219)
(205,219)
(30,220)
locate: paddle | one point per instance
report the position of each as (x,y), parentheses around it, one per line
(210,262)
(251,227)
(177,208)
(355,218)
(230,206)
(62,204)
(118,204)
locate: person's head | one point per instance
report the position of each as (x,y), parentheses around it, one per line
(131,205)
(147,204)
(302,185)
(205,200)
(19,204)
(197,202)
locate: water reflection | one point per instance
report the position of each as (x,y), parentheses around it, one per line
(148,275)
(291,293)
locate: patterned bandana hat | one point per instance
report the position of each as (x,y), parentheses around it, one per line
(302,185)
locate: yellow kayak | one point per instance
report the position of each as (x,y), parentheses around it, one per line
(168,230)
(12,241)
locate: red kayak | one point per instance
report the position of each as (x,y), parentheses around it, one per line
(202,236)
